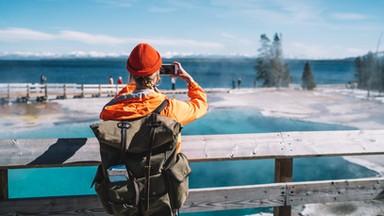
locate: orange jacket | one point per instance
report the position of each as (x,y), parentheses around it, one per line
(139,105)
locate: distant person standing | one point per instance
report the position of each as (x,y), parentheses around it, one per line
(239,82)
(120,80)
(173,81)
(233,83)
(43,79)
(110,80)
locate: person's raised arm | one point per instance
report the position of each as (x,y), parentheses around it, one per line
(193,109)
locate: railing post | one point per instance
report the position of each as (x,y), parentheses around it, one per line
(3,184)
(99,90)
(9,93)
(46,91)
(27,91)
(283,173)
(82,90)
(65,91)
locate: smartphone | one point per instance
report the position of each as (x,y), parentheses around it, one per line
(168,69)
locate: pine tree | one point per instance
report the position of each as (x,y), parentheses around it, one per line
(269,63)
(359,74)
(370,72)
(263,63)
(277,61)
(307,79)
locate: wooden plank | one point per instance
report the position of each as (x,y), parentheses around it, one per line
(284,145)
(221,198)
(206,147)
(233,146)
(19,85)
(3,184)
(48,152)
(91,86)
(300,193)
(77,205)
(334,143)
(239,197)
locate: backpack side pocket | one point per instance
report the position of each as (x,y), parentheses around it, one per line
(101,188)
(117,198)
(178,181)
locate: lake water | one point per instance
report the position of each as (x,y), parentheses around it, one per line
(208,72)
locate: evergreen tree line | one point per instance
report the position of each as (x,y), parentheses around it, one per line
(271,68)
(370,72)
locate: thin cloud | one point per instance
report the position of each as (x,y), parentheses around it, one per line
(356,51)
(19,34)
(89,38)
(301,50)
(234,38)
(24,34)
(118,3)
(301,11)
(162,10)
(348,16)
(273,11)
(184,43)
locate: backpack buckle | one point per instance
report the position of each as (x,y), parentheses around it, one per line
(124,125)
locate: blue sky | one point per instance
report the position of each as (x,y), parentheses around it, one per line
(310,29)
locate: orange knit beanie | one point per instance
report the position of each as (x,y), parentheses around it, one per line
(144,60)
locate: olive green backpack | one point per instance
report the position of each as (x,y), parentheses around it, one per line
(141,173)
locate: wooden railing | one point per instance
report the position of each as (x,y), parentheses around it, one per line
(284,147)
(25,92)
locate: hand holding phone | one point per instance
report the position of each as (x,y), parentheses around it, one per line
(175,70)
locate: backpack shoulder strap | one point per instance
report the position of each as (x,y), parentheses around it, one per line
(161,106)
(153,125)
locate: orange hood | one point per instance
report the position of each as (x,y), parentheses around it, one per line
(133,105)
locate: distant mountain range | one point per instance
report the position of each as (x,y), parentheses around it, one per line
(91,55)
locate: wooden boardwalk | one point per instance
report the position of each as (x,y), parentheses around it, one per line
(28,92)
(283,147)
